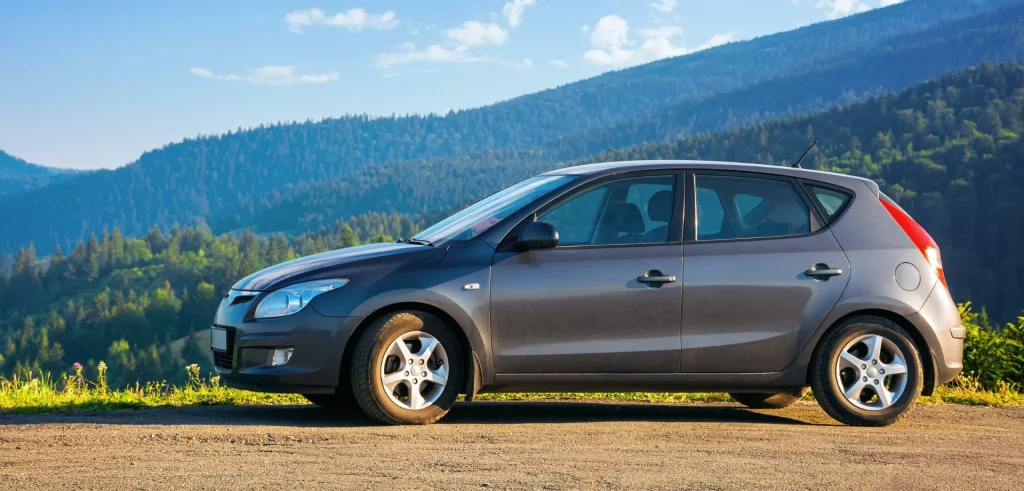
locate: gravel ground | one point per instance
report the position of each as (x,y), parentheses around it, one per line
(512,445)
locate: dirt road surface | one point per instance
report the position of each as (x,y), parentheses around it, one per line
(512,445)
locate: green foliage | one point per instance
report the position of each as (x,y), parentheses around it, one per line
(993,355)
(138,303)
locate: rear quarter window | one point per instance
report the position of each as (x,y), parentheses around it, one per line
(832,201)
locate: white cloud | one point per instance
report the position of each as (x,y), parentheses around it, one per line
(610,32)
(431,54)
(475,33)
(526,64)
(613,48)
(666,6)
(513,11)
(835,9)
(269,75)
(585,28)
(352,19)
(558,63)
(660,32)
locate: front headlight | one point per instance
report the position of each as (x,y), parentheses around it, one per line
(294,298)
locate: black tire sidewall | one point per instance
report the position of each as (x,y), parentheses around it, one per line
(833,390)
(386,333)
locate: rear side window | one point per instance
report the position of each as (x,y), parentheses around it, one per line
(747,208)
(832,202)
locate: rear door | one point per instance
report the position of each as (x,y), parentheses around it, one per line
(762,272)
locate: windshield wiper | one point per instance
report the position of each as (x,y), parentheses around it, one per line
(420,242)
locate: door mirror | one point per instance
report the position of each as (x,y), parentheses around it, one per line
(538,235)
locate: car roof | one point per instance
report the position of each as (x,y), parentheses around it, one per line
(608,168)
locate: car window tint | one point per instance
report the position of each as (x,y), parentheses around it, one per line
(831,201)
(575,219)
(709,213)
(627,211)
(746,208)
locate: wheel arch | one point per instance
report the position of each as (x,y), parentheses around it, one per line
(927,357)
(474,369)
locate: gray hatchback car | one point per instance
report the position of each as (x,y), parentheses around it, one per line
(754,280)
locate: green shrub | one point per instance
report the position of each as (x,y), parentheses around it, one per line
(991,354)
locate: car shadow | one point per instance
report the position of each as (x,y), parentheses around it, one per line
(477,413)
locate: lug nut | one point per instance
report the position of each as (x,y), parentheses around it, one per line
(407,373)
(864,367)
(876,381)
(865,379)
(410,361)
(421,361)
(414,382)
(882,371)
(874,362)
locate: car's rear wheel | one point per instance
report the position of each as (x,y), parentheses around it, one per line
(867,372)
(407,368)
(768,400)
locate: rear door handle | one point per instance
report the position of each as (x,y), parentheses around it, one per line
(822,271)
(655,278)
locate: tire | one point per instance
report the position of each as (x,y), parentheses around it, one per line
(376,356)
(768,400)
(833,373)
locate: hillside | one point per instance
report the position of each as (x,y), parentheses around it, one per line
(209,176)
(406,186)
(949,150)
(18,176)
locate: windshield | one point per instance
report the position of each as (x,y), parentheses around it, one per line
(480,216)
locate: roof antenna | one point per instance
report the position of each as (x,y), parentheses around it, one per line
(801,159)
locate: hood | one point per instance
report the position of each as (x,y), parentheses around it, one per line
(315,266)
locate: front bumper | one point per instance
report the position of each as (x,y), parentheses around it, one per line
(315,366)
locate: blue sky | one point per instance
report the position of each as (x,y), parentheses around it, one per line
(95,84)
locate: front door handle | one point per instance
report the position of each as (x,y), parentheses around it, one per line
(821,271)
(655,278)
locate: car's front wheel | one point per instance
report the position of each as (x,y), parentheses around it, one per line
(867,372)
(406,369)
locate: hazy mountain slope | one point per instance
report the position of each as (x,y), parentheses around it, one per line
(18,176)
(994,36)
(208,176)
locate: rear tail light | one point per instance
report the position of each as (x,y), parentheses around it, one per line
(917,235)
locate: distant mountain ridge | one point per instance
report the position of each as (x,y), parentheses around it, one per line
(18,176)
(207,177)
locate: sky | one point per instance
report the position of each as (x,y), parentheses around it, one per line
(95,84)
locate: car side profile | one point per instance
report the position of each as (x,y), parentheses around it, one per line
(755,280)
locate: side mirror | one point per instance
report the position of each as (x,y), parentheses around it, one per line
(538,235)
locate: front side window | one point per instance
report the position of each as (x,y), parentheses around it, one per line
(627,211)
(745,208)
(483,214)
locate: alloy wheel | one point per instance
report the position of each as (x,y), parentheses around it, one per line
(414,370)
(872,372)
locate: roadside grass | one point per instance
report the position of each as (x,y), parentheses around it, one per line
(38,394)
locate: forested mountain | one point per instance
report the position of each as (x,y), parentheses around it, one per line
(949,150)
(18,176)
(210,176)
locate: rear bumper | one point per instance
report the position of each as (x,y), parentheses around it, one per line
(318,343)
(939,323)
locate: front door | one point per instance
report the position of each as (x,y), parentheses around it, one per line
(608,299)
(761,275)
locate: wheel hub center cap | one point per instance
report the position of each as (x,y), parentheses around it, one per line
(872,372)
